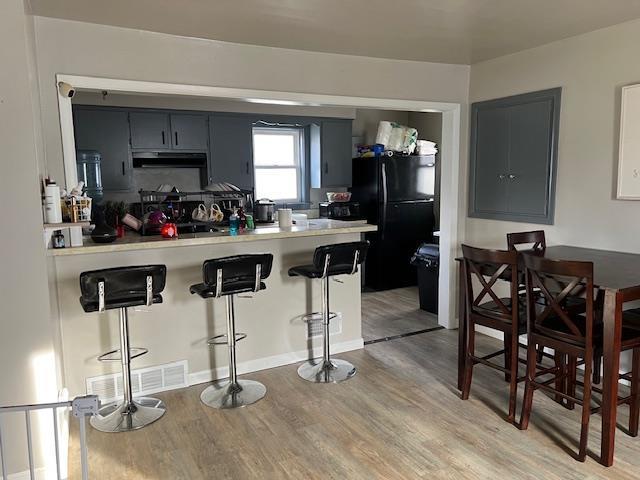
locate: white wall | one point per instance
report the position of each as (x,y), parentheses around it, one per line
(591,69)
(26,330)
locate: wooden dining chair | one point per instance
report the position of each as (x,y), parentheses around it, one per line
(535,239)
(578,335)
(482,270)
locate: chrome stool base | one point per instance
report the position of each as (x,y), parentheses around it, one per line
(233,395)
(333,371)
(123,417)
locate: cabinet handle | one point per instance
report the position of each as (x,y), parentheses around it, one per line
(176,133)
(123,174)
(247,168)
(163,142)
(326,167)
(501,176)
(512,176)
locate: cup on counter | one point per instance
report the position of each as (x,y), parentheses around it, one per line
(284,218)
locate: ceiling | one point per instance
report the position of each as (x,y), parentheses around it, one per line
(449,31)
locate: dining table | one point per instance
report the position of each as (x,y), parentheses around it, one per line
(617,274)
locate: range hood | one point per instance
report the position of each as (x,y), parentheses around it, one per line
(169,160)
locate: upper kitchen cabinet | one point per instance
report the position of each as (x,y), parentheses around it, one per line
(189,132)
(150,130)
(231,150)
(107,132)
(331,154)
(514,148)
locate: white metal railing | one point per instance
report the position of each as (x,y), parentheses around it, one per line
(81,407)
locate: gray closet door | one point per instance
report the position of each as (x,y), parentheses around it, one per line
(529,158)
(231,158)
(492,160)
(150,130)
(106,131)
(189,132)
(513,149)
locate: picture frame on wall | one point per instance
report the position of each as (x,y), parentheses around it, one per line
(628,183)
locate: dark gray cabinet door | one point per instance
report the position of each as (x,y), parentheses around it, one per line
(529,166)
(189,132)
(492,161)
(231,157)
(514,148)
(150,130)
(335,153)
(106,131)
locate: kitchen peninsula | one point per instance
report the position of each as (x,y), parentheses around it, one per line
(175,332)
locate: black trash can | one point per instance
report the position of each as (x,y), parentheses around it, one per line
(427,261)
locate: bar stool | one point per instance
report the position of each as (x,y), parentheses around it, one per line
(329,261)
(121,288)
(228,277)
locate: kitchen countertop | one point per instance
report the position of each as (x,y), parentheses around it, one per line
(134,241)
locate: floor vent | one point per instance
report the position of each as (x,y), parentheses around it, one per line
(314,326)
(144,381)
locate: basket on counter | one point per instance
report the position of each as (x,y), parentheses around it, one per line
(76,209)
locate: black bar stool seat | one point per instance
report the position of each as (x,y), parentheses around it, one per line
(329,261)
(120,288)
(228,277)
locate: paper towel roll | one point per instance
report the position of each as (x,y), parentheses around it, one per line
(384,131)
(284,218)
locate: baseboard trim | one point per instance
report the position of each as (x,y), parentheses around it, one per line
(264,363)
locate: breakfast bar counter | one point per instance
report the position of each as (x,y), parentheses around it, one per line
(176,331)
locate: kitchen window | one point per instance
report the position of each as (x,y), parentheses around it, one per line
(278,164)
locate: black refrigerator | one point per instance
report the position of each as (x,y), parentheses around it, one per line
(397,194)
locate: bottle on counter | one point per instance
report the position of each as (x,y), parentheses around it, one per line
(242,219)
(52,203)
(234,222)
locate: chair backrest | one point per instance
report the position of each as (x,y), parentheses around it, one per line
(340,258)
(535,239)
(122,287)
(237,273)
(487,267)
(556,282)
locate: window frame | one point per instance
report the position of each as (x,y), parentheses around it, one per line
(299,159)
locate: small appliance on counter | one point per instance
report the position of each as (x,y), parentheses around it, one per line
(340,210)
(264,211)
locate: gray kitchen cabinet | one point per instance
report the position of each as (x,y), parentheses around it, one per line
(189,132)
(332,167)
(231,150)
(107,132)
(150,130)
(513,157)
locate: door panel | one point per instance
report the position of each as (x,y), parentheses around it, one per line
(335,147)
(189,132)
(408,178)
(491,165)
(529,144)
(231,158)
(107,132)
(149,130)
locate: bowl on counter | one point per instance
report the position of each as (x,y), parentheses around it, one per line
(338,196)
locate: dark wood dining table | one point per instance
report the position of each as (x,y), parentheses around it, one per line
(618,275)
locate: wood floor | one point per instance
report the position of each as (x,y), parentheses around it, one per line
(393,312)
(400,417)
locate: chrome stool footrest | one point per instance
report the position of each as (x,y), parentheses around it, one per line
(115,356)
(317,317)
(215,341)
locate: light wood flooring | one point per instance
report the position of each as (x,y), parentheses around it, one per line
(400,417)
(393,312)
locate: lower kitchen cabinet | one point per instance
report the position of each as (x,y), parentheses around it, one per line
(231,150)
(107,132)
